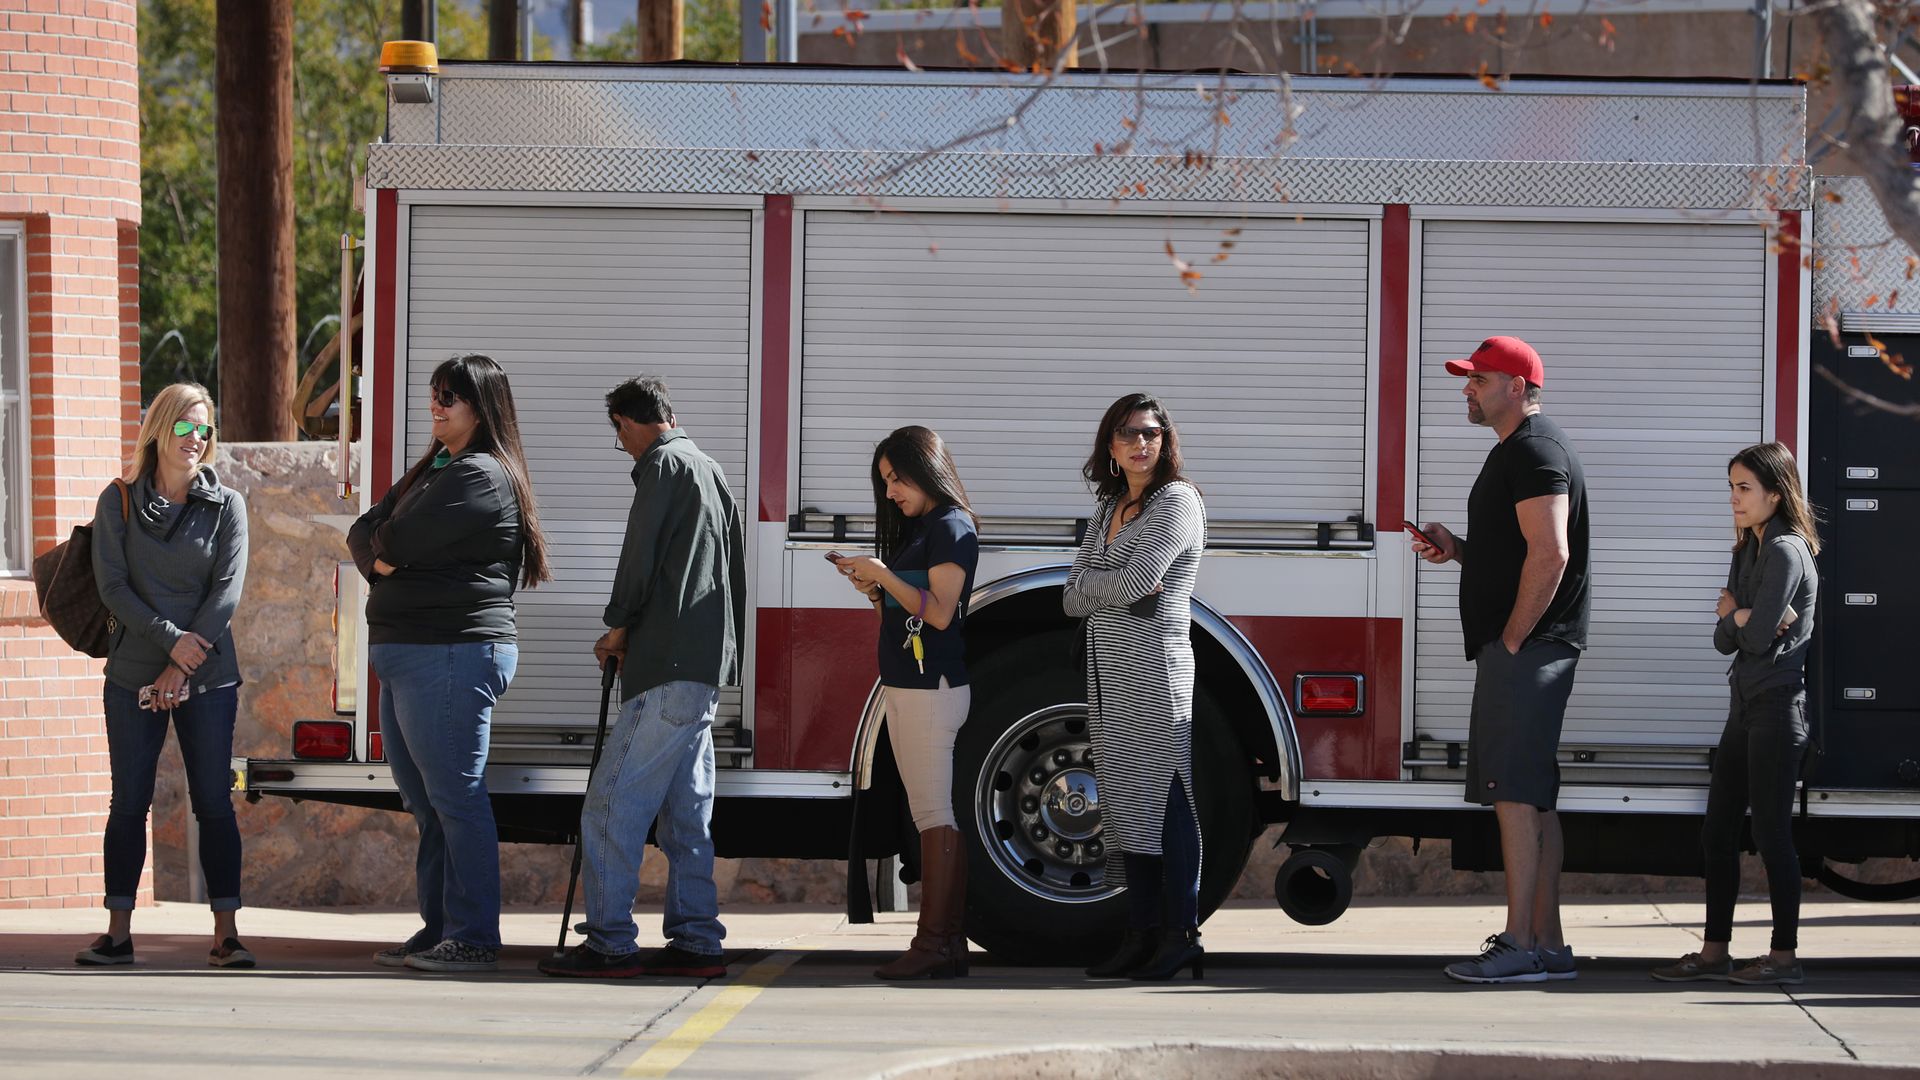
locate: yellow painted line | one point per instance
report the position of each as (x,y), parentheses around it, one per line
(672,1051)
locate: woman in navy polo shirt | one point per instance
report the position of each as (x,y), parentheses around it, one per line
(925,534)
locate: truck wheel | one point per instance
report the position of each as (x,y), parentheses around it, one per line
(1025,797)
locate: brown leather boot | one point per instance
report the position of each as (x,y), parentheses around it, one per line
(939,949)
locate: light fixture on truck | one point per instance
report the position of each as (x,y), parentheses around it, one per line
(323,740)
(410,68)
(1328,695)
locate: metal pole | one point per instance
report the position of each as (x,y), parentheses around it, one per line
(345,411)
(786,15)
(526,29)
(1763,39)
(753,36)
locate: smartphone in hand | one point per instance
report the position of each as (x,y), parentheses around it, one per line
(1420,536)
(834,556)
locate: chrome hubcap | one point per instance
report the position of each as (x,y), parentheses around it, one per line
(1037,806)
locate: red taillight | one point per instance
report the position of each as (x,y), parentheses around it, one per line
(1328,695)
(323,740)
(376,749)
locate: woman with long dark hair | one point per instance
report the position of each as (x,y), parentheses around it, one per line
(1766,624)
(443,552)
(170,558)
(928,546)
(1133,584)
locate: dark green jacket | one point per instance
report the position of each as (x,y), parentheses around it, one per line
(681,587)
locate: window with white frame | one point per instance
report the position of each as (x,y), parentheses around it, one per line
(15,545)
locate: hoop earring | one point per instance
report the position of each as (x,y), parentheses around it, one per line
(1113,467)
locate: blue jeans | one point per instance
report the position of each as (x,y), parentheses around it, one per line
(436,709)
(134,740)
(657,769)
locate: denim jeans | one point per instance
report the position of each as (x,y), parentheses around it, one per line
(134,740)
(1164,889)
(436,710)
(1757,764)
(656,769)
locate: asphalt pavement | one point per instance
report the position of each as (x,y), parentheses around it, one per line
(800,1000)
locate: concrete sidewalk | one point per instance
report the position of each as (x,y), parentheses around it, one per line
(800,999)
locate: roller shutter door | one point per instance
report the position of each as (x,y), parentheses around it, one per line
(572,301)
(1653,337)
(1010,334)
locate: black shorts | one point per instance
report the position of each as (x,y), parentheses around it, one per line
(1519,701)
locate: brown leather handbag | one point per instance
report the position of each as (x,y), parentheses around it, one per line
(69,597)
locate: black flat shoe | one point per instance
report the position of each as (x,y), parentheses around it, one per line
(1179,949)
(1136,948)
(103,953)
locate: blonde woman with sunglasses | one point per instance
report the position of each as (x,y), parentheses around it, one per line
(170,568)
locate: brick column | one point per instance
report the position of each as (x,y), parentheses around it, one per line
(70,173)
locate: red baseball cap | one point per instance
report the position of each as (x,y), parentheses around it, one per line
(1506,355)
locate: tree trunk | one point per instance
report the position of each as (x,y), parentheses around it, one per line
(1875,136)
(253,84)
(503,29)
(661,30)
(1033,33)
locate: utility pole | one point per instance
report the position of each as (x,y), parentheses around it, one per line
(580,23)
(503,29)
(253,87)
(1033,32)
(419,20)
(661,30)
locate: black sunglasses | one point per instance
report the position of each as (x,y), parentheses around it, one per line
(445,398)
(1128,434)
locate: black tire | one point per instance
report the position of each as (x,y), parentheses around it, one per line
(1052,906)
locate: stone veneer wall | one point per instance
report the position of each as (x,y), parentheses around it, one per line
(316,854)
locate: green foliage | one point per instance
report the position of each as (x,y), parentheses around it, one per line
(177,252)
(339,105)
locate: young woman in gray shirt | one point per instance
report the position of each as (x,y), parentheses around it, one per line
(1765,622)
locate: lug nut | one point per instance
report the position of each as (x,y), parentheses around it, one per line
(1039,832)
(1030,805)
(1038,776)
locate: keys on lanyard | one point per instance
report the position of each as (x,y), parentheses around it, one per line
(914,625)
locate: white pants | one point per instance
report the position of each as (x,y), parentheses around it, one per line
(922,725)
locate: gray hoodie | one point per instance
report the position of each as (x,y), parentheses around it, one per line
(1769,577)
(180,568)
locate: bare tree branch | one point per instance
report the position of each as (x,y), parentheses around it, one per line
(1875,137)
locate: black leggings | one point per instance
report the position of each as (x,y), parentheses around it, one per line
(1757,764)
(1164,889)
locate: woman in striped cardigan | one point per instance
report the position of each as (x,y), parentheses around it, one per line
(1133,584)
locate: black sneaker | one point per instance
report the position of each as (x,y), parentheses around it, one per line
(103,952)
(230,954)
(451,955)
(676,961)
(587,962)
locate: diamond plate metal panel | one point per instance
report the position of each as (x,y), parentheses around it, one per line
(990,136)
(1858,256)
(959,174)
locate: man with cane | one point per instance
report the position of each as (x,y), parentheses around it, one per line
(676,615)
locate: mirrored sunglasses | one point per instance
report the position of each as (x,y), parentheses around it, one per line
(183,428)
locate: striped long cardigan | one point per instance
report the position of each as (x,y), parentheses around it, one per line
(1140,670)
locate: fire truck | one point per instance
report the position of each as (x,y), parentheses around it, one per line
(812,257)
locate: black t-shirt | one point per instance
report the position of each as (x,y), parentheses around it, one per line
(934,539)
(1535,460)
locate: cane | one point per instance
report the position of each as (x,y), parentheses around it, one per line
(607,674)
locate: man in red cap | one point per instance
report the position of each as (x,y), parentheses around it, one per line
(1524,598)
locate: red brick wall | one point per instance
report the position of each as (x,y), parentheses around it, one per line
(70,171)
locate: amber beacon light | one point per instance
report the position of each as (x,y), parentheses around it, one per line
(410,68)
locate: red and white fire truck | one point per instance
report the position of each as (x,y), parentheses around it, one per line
(813,257)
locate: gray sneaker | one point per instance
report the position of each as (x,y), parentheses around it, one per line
(451,955)
(1503,961)
(1762,971)
(1559,963)
(1691,968)
(397,956)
